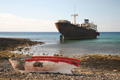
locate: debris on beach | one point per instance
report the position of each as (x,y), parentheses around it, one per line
(92,67)
(55,64)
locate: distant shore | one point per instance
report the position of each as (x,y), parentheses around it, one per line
(92,66)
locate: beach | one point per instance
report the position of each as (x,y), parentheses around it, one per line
(59,40)
(92,66)
(89,69)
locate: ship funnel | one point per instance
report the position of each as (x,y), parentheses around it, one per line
(86,21)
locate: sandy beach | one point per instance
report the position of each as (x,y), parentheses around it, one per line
(92,66)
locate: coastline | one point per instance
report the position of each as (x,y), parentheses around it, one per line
(92,66)
(11,44)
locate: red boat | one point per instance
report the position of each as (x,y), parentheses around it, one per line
(44,64)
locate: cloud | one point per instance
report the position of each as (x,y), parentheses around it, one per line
(10,22)
(109,26)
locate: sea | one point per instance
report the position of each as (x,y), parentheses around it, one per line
(106,43)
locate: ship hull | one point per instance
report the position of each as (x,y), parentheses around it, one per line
(71,31)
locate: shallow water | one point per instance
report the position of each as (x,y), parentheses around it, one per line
(106,43)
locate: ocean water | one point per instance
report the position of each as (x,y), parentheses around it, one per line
(106,43)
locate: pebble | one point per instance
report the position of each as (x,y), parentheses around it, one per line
(1,73)
(1,69)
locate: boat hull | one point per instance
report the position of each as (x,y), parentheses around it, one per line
(50,64)
(71,31)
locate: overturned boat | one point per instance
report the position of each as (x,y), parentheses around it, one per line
(55,64)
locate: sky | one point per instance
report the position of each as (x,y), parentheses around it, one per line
(41,15)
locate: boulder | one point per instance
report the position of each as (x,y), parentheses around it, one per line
(38,64)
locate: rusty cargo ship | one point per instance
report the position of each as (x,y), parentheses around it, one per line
(70,30)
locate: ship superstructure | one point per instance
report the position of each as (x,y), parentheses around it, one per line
(85,25)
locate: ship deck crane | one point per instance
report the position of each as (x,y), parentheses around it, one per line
(74,15)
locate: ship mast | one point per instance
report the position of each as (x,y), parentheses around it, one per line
(74,15)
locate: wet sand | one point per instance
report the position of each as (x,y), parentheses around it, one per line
(92,66)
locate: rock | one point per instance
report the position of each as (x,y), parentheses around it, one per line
(26,49)
(35,77)
(56,54)
(1,73)
(20,65)
(30,74)
(43,53)
(116,70)
(38,64)
(19,49)
(9,79)
(1,69)
(27,77)
(12,55)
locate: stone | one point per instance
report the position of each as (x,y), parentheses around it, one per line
(38,64)
(30,74)
(116,70)
(1,73)
(1,69)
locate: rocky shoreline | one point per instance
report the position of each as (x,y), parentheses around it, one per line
(11,44)
(92,66)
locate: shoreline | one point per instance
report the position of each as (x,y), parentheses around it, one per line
(92,66)
(11,44)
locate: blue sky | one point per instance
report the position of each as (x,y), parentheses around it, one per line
(40,15)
